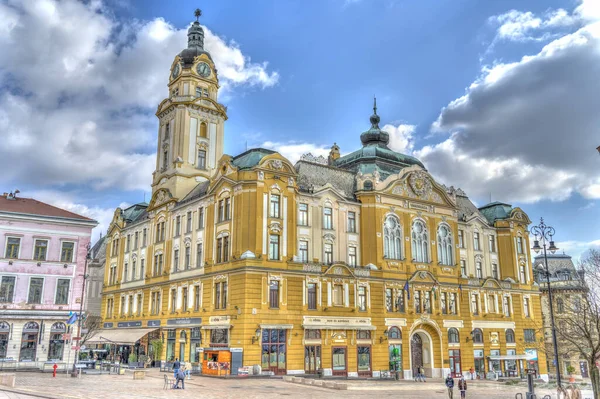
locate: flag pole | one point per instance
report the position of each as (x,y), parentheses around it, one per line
(87,257)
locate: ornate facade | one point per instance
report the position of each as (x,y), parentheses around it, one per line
(354,265)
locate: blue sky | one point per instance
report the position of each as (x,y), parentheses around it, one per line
(79,92)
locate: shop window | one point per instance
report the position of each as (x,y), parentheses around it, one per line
(29,340)
(4,333)
(57,344)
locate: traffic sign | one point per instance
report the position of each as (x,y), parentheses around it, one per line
(531,371)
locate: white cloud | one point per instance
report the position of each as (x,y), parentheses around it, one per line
(520,26)
(401,137)
(577,248)
(80,89)
(527,130)
(293,150)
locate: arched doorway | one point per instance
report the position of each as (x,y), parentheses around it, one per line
(416,352)
(422,343)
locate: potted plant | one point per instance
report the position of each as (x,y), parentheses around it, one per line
(571,372)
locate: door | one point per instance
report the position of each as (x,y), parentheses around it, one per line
(312,359)
(338,354)
(364,361)
(416,352)
(274,351)
(455,364)
(583,366)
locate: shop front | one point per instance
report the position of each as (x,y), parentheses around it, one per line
(217,356)
(123,340)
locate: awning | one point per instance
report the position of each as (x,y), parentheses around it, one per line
(124,336)
(338,327)
(508,357)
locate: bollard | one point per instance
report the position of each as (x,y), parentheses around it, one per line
(54,372)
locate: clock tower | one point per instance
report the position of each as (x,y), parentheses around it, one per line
(191,121)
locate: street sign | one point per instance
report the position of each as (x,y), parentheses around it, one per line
(531,371)
(76,338)
(75,348)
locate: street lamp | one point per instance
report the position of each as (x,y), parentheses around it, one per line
(545,234)
(87,258)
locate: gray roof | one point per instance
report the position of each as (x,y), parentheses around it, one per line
(250,158)
(556,263)
(466,208)
(135,213)
(199,191)
(312,176)
(496,210)
(98,251)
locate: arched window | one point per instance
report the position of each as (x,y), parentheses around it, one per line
(510,336)
(29,340)
(477,335)
(444,239)
(312,334)
(560,305)
(419,241)
(394,333)
(453,337)
(182,336)
(203,130)
(57,343)
(392,238)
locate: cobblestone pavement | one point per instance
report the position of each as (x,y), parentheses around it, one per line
(123,386)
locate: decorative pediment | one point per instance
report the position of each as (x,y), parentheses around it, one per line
(519,216)
(339,270)
(275,227)
(491,283)
(277,164)
(415,183)
(160,198)
(422,276)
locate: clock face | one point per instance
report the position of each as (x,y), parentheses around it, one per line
(203,69)
(176,70)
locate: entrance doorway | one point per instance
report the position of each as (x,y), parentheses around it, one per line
(339,360)
(455,365)
(416,352)
(364,361)
(274,351)
(312,358)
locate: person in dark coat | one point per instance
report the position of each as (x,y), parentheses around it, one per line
(462,387)
(450,386)
(180,377)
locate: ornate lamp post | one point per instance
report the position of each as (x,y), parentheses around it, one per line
(87,259)
(544,233)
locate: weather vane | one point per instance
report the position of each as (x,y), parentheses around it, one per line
(197,14)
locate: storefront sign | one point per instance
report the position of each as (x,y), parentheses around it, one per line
(153,323)
(337,321)
(108,325)
(236,350)
(184,321)
(531,354)
(219,319)
(127,324)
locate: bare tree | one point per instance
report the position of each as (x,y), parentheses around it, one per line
(92,324)
(578,330)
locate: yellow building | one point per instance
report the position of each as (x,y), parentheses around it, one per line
(353,265)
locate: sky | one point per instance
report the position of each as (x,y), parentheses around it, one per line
(499,98)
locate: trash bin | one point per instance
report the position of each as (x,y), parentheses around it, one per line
(397,375)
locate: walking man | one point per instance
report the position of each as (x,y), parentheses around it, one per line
(422,373)
(450,386)
(462,387)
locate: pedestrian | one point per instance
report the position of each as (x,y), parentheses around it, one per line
(472,371)
(180,376)
(416,375)
(176,367)
(462,387)
(422,372)
(450,386)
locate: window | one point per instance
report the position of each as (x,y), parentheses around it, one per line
(199,254)
(203,130)
(476,246)
(115,246)
(445,251)
(427,302)
(560,305)
(35,290)
(155,303)
(175,260)
(444,303)
(419,242)
(312,334)
(187,258)
(474,304)
(142,269)
(127,243)
(394,300)
(221,210)
(453,337)
(274,247)
(417,301)
(198,91)
(167,130)
(362,299)
(363,334)
(112,275)
(184,299)
(133,263)
(173,300)
(461,238)
(274,206)
(7,289)
(303,250)
(227,208)
(495,273)
(177,226)
(392,238)
(274,294)
(338,295)
(477,336)
(492,243)
(394,333)
(109,307)
(225,248)
(200,218)
(352,256)
(189,225)
(136,240)
(389,300)
(510,336)
(130,306)
(328,259)
(126,272)
(196,297)
(452,304)
(140,302)
(463,268)
(29,341)
(526,310)
(506,305)
(158,264)
(62,291)
(491,308)
(351,222)
(328,218)
(219,250)
(520,245)
(219,337)
(40,249)
(522,273)
(221,295)
(529,335)
(312,296)
(144,237)
(205,91)
(165,160)
(478,269)
(162,231)
(12,247)
(302,214)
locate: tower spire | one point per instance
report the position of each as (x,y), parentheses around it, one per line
(374,105)
(196,33)
(198,14)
